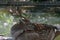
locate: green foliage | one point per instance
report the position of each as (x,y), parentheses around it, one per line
(6,21)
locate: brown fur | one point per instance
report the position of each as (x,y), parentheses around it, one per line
(27,34)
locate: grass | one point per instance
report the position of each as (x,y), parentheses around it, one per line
(57,38)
